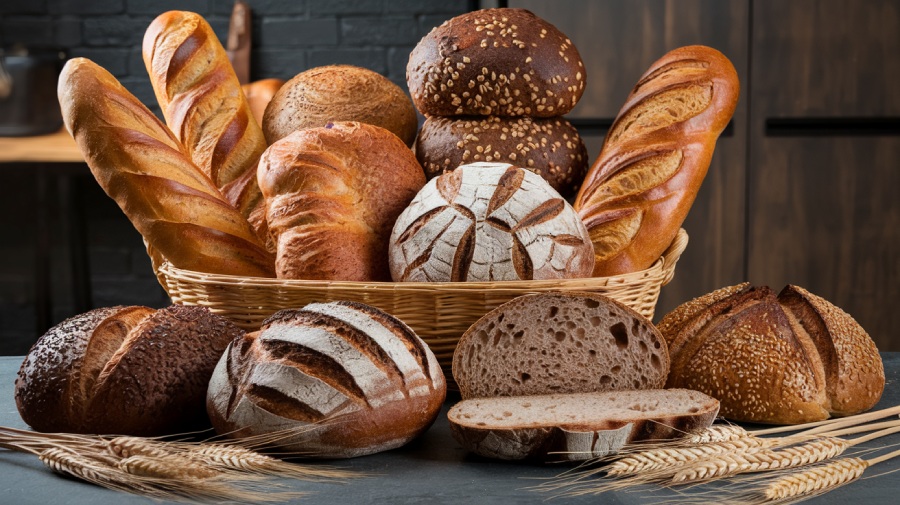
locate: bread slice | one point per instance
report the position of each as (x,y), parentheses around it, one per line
(577,426)
(559,343)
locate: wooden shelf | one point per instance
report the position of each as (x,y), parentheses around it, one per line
(56,147)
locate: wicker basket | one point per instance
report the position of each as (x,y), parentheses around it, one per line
(439,312)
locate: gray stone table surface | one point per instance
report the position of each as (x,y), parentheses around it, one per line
(432,469)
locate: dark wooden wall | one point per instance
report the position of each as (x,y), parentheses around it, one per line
(803,188)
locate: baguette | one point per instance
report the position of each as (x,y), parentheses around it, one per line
(577,426)
(205,107)
(638,192)
(142,166)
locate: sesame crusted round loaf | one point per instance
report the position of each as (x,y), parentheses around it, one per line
(503,62)
(548,147)
(785,359)
(330,380)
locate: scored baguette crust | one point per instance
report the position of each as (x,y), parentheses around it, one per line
(577,426)
(204,105)
(784,359)
(488,222)
(345,379)
(559,343)
(92,373)
(332,195)
(142,166)
(501,62)
(638,192)
(548,147)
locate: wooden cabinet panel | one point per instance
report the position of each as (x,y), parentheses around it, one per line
(825,216)
(827,58)
(619,40)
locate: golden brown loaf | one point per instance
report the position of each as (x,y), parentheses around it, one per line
(333,194)
(639,190)
(124,370)
(143,167)
(785,359)
(346,378)
(339,93)
(548,147)
(204,106)
(259,94)
(501,62)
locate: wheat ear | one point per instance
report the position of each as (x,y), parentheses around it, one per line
(235,457)
(657,459)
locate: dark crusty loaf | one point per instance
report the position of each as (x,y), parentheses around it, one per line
(638,192)
(784,359)
(332,196)
(123,370)
(145,169)
(548,147)
(559,343)
(339,93)
(203,103)
(489,222)
(334,380)
(577,426)
(502,62)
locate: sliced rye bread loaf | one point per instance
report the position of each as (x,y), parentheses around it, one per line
(577,426)
(559,343)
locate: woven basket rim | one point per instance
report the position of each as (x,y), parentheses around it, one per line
(662,266)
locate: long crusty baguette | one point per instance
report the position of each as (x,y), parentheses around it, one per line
(638,192)
(577,426)
(205,107)
(143,167)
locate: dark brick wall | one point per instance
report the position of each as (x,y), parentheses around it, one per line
(289,36)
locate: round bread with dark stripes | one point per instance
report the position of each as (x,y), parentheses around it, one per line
(549,147)
(330,380)
(500,62)
(489,222)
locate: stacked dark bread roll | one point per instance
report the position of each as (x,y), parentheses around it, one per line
(493,85)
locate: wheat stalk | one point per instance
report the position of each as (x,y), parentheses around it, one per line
(819,427)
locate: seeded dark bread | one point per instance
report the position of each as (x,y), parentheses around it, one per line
(123,370)
(502,62)
(559,343)
(488,222)
(577,426)
(785,359)
(333,380)
(549,147)
(333,93)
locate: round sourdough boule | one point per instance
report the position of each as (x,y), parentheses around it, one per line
(339,93)
(785,359)
(501,62)
(559,343)
(333,380)
(332,197)
(548,147)
(123,370)
(489,222)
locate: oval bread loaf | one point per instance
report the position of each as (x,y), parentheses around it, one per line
(332,197)
(559,343)
(501,62)
(259,94)
(488,222)
(549,147)
(334,93)
(785,359)
(638,192)
(333,380)
(577,426)
(124,370)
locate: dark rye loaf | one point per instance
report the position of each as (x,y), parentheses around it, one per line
(502,62)
(548,147)
(559,343)
(331,380)
(577,426)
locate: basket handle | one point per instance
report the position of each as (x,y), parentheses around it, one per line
(672,254)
